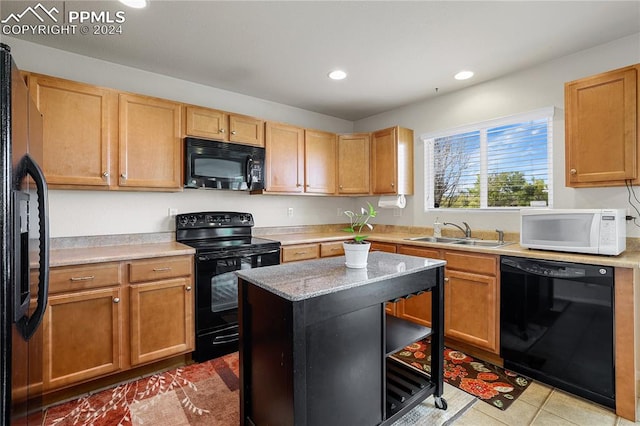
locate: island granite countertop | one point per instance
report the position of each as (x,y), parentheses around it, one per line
(304,280)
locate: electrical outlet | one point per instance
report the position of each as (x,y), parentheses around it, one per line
(290,212)
(172,212)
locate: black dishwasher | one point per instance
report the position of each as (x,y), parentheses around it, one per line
(556,325)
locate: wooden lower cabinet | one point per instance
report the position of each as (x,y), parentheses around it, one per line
(471,297)
(83,336)
(161,319)
(100,320)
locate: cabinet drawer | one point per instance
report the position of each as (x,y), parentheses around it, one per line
(331,249)
(300,252)
(71,278)
(484,264)
(386,247)
(160,268)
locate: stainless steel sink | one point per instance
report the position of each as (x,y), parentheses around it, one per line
(461,241)
(483,243)
(435,239)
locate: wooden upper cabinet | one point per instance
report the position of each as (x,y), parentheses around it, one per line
(601,119)
(392,161)
(150,147)
(284,146)
(206,123)
(246,130)
(223,126)
(79,128)
(320,162)
(353,163)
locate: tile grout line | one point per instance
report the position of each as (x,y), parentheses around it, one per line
(542,406)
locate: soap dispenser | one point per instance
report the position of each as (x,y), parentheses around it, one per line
(437,228)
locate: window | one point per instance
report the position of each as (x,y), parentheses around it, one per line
(504,163)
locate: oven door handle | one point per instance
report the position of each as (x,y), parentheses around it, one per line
(221,340)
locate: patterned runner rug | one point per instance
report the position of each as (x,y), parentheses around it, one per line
(204,394)
(487,382)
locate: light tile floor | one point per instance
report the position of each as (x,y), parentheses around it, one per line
(541,405)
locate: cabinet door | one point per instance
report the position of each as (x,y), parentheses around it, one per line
(471,299)
(79,131)
(150,146)
(246,130)
(470,309)
(206,123)
(161,319)
(82,336)
(353,163)
(384,164)
(320,162)
(601,129)
(284,146)
(417,308)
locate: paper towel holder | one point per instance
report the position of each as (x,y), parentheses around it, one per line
(392,201)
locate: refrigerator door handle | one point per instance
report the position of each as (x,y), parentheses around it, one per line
(28,166)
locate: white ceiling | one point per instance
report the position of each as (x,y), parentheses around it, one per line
(395,52)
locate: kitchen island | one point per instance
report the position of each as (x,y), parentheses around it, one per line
(315,341)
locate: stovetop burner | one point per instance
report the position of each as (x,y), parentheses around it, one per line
(220,245)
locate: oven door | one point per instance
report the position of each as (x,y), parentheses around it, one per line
(217,298)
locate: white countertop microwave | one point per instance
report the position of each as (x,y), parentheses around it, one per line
(593,231)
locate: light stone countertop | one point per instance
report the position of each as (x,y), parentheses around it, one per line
(85,255)
(297,281)
(627,259)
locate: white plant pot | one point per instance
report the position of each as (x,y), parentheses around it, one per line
(356,254)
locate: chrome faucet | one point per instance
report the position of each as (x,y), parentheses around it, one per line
(500,236)
(466,231)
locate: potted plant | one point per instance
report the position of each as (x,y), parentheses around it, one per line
(356,250)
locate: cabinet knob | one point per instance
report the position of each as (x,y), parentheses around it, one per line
(393,184)
(188,288)
(105,174)
(116,300)
(340,186)
(446,280)
(123,176)
(221,130)
(298,185)
(233,132)
(573,171)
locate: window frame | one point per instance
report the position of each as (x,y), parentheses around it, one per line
(428,139)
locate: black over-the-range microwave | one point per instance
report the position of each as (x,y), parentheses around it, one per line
(221,165)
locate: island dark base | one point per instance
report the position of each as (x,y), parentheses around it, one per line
(324,361)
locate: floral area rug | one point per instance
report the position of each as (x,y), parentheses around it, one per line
(197,394)
(489,383)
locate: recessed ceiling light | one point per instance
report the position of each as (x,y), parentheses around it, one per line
(463,75)
(136,4)
(337,75)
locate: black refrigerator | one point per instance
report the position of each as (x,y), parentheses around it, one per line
(24,250)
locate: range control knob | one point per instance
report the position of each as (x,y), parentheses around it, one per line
(183,221)
(193,220)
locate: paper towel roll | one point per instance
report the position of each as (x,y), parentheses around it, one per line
(392,201)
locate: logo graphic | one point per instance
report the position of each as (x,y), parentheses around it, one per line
(33,11)
(58,20)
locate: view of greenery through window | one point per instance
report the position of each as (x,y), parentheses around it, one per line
(492,167)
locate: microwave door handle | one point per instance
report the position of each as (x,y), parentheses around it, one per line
(249,165)
(32,169)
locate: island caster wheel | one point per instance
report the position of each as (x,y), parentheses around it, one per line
(441,403)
